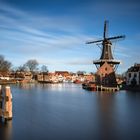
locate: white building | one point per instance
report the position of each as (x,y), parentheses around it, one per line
(133,75)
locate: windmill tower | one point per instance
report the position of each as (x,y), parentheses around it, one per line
(106,65)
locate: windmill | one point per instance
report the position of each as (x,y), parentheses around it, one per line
(105,77)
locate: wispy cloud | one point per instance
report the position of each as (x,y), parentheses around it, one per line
(80,62)
(29,36)
(55,40)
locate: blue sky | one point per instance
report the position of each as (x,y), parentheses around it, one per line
(54,32)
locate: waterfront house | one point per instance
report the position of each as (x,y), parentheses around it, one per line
(23,76)
(89,78)
(133,75)
(62,73)
(39,77)
(64,76)
(43,77)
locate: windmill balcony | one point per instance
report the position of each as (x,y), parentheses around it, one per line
(112,61)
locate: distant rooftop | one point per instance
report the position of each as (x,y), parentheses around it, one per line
(135,68)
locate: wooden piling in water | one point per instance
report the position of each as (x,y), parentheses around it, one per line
(6,103)
(1,100)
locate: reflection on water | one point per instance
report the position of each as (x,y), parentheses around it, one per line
(106,108)
(6,130)
(67,112)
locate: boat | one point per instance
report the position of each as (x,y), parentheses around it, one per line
(89,86)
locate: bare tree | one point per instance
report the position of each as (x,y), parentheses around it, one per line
(22,68)
(31,65)
(81,72)
(4,64)
(44,68)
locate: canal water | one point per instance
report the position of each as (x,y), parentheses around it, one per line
(67,112)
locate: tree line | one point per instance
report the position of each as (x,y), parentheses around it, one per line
(31,65)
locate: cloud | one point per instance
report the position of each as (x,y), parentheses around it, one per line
(52,40)
(33,23)
(21,26)
(80,62)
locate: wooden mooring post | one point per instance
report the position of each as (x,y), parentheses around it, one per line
(5,103)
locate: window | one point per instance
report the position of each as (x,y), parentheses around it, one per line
(0,104)
(106,69)
(129,75)
(139,77)
(135,75)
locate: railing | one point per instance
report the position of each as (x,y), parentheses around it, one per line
(106,60)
